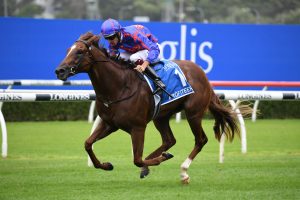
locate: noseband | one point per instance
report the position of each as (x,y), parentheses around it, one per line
(74,68)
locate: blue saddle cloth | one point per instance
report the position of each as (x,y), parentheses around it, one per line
(174,79)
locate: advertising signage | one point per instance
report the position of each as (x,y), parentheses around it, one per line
(32,48)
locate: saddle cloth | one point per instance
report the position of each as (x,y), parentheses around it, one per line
(174,79)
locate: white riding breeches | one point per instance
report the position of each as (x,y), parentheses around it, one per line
(140,55)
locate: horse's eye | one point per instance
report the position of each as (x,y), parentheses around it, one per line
(79,55)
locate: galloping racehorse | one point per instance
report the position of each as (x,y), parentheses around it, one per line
(125,101)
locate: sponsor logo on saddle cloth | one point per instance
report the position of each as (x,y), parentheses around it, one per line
(174,79)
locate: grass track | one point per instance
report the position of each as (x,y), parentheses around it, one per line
(47,161)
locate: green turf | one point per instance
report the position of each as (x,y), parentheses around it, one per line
(47,161)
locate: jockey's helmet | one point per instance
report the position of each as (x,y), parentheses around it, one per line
(110,27)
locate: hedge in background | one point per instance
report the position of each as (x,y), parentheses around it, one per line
(45,111)
(279,109)
(62,111)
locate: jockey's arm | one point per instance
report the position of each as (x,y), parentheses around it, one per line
(153,53)
(143,66)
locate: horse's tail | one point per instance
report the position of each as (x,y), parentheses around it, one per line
(225,119)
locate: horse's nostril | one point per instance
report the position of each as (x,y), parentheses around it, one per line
(60,71)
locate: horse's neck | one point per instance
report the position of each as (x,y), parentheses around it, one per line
(108,80)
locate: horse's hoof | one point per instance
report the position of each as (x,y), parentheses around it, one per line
(144,172)
(108,166)
(186,180)
(167,155)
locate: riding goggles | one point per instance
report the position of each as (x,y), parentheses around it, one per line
(110,37)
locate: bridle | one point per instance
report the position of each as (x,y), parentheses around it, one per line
(74,68)
(89,46)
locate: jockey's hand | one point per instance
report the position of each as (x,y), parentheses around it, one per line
(142,67)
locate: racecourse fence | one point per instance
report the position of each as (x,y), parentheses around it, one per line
(88,83)
(89,95)
(10,95)
(45,83)
(264,84)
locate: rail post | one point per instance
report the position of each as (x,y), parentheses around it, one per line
(4,135)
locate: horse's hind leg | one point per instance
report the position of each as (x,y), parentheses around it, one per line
(101,131)
(168,140)
(200,141)
(137,139)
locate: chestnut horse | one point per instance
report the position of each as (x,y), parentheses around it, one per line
(125,101)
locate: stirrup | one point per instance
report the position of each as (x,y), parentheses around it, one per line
(157,91)
(159,85)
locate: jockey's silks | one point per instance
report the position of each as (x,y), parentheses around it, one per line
(136,38)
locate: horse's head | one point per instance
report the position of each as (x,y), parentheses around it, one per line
(79,57)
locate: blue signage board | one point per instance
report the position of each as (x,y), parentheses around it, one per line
(32,48)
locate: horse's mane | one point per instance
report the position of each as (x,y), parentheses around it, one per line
(94,40)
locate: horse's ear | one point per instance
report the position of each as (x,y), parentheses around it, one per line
(95,40)
(80,37)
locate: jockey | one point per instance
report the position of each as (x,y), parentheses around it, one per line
(139,45)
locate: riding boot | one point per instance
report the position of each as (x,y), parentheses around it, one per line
(152,74)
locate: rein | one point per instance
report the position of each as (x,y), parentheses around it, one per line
(108,103)
(94,59)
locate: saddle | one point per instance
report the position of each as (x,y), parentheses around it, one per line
(151,74)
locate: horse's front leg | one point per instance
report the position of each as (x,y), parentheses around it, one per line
(101,131)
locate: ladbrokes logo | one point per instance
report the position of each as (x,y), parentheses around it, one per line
(10,97)
(69,97)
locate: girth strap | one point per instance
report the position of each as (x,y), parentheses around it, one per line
(108,103)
